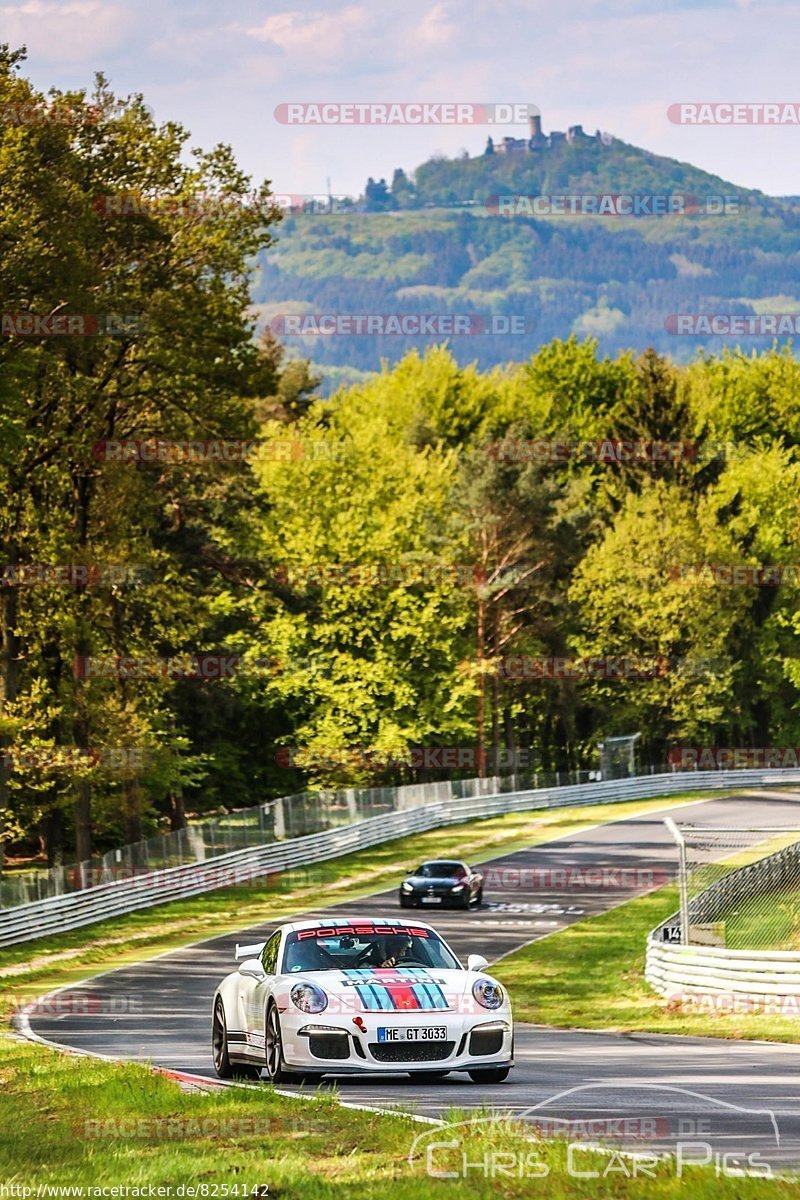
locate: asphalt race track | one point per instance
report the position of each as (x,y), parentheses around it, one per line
(742,1098)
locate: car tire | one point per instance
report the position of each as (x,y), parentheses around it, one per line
(405,902)
(489,1074)
(465,901)
(479,898)
(427,1076)
(277,1071)
(223,1067)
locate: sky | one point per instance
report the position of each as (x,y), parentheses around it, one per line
(221,70)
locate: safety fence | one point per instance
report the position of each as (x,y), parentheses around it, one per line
(152,887)
(274,821)
(737,933)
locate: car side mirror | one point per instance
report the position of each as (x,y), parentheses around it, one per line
(252,967)
(475,962)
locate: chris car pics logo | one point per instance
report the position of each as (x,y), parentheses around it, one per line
(662,1131)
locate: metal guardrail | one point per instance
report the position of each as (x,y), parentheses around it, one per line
(71,911)
(273,821)
(684,968)
(760,975)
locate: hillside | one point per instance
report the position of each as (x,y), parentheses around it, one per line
(444,249)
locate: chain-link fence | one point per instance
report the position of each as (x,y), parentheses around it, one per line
(301,814)
(277,820)
(739,886)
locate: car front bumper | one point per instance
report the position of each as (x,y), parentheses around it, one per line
(331,1047)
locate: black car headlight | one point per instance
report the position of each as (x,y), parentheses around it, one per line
(487,993)
(308,998)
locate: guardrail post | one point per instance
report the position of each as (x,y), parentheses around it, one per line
(683,878)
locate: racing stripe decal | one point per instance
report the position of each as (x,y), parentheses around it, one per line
(393,990)
(431,995)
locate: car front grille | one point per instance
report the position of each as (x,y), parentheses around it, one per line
(394,1052)
(486,1041)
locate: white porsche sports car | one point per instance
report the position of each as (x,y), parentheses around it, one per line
(360,996)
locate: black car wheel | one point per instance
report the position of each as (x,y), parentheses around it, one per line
(479,898)
(406,901)
(223,1066)
(277,1071)
(489,1074)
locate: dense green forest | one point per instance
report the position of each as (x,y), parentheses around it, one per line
(367,567)
(435,242)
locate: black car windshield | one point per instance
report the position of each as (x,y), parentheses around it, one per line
(357,947)
(440,870)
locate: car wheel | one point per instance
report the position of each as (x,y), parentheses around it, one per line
(489,1074)
(404,901)
(223,1066)
(465,900)
(428,1076)
(273,1051)
(479,898)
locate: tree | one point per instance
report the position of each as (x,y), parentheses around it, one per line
(144,253)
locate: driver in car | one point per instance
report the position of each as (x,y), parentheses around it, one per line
(395,949)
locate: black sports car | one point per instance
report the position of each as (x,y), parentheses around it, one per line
(442,882)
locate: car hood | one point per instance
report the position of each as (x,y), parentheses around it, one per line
(421,881)
(416,989)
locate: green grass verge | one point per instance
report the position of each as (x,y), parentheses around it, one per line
(70,1122)
(591,975)
(765,922)
(66,957)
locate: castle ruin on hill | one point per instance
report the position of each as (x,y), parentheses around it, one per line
(544,141)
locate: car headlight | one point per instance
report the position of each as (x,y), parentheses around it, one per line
(308,998)
(458,888)
(408,887)
(488,994)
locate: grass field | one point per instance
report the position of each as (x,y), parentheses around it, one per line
(765,922)
(93,1124)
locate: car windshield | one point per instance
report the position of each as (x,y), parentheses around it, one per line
(330,949)
(440,870)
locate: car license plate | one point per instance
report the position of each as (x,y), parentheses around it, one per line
(431,899)
(405,1033)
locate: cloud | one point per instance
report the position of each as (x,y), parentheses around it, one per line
(75,31)
(309,35)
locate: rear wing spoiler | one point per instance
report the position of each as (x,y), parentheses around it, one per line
(251,951)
